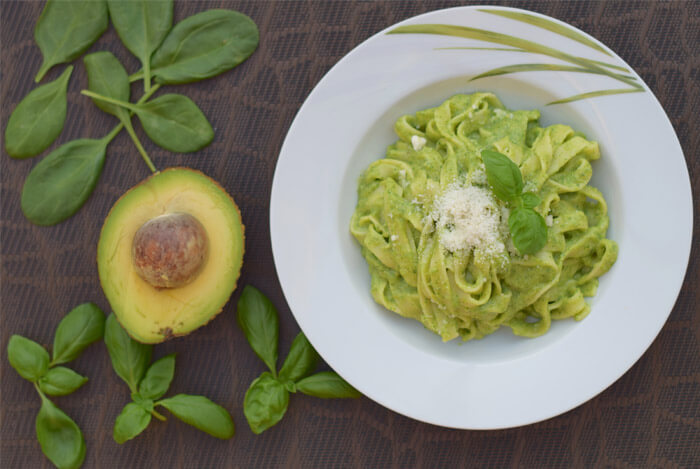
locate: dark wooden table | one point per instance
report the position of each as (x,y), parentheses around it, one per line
(649,418)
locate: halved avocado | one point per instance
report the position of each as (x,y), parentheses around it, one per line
(170,253)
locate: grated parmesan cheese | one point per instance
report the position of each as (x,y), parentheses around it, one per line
(418,142)
(394,237)
(467,217)
(549,220)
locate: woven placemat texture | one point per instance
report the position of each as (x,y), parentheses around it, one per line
(649,418)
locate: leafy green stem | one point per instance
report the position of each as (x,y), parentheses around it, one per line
(147,75)
(106,99)
(136,76)
(158,415)
(108,138)
(139,147)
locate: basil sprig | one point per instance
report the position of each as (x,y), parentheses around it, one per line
(130,360)
(59,436)
(527,227)
(267,398)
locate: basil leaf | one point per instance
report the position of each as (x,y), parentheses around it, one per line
(59,381)
(82,326)
(258,319)
(174,122)
(201,413)
(60,184)
(38,119)
(327,385)
(132,420)
(142,26)
(301,361)
(107,77)
(528,230)
(30,359)
(530,200)
(503,175)
(204,45)
(129,358)
(66,29)
(265,403)
(158,378)
(60,438)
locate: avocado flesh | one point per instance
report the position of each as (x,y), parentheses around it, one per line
(152,315)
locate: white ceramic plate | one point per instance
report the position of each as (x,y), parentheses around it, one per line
(503,380)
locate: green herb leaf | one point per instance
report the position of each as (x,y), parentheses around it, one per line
(60,438)
(30,359)
(142,26)
(503,175)
(129,358)
(265,403)
(107,77)
(595,94)
(301,361)
(258,319)
(174,122)
(38,119)
(528,229)
(327,385)
(130,422)
(82,326)
(158,378)
(204,45)
(530,200)
(59,381)
(60,184)
(549,25)
(201,413)
(66,29)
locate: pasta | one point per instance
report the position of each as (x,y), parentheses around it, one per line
(416,269)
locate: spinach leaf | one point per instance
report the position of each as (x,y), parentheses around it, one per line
(66,29)
(142,26)
(38,119)
(204,45)
(201,413)
(258,319)
(301,360)
(327,385)
(60,438)
(503,175)
(107,77)
(265,403)
(158,378)
(129,358)
(132,420)
(528,229)
(59,381)
(82,326)
(60,184)
(30,359)
(174,122)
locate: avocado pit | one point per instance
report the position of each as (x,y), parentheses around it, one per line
(169,251)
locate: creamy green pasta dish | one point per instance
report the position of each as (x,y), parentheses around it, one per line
(478,217)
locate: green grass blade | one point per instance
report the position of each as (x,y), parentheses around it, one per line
(594,94)
(607,65)
(509,49)
(548,25)
(506,40)
(506,49)
(537,68)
